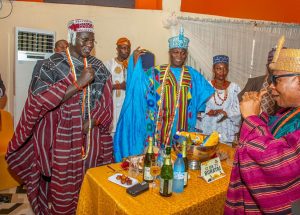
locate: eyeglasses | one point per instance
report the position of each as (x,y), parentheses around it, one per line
(273,78)
(86,40)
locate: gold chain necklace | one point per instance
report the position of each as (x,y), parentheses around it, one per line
(174,111)
(84,154)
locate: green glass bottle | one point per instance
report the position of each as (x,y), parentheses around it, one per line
(149,158)
(186,165)
(166,175)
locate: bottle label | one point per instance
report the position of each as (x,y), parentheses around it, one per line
(186,175)
(179,175)
(147,175)
(166,186)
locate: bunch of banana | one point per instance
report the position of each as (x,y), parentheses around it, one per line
(196,137)
(212,139)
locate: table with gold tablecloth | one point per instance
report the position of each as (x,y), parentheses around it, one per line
(100,196)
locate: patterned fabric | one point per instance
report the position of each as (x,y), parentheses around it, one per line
(137,120)
(229,127)
(220,59)
(267,102)
(80,25)
(45,151)
(118,76)
(265,177)
(280,127)
(169,102)
(179,41)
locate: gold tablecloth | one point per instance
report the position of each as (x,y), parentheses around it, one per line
(100,196)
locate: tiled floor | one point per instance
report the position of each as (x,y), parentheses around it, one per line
(14,202)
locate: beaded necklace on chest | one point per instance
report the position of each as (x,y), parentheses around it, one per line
(85,92)
(160,109)
(219,93)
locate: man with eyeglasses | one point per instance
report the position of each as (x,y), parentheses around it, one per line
(64,128)
(265,178)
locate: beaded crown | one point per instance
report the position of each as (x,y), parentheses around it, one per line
(220,59)
(285,59)
(179,41)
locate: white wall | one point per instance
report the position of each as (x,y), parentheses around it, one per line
(143,27)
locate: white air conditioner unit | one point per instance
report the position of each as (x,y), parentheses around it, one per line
(31,45)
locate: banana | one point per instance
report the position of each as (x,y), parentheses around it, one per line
(212,139)
(195,136)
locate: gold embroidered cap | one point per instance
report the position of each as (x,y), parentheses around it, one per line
(286,59)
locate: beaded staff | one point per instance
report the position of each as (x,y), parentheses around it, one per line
(84,154)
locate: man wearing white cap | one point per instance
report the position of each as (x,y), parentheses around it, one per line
(64,128)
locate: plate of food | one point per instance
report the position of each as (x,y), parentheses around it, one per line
(123,180)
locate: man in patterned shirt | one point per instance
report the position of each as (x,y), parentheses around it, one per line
(64,127)
(118,69)
(265,177)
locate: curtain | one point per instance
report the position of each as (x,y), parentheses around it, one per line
(247,44)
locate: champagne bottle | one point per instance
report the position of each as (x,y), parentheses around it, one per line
(149,158)
(166,175)
(186,165)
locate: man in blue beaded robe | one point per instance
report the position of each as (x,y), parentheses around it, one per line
(160,101)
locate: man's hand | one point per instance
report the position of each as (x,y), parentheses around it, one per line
(86,77)
(212,113)
(118,86)
(217,112)
(137,53)
(250,104)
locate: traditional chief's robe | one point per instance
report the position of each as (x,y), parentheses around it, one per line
(265,178)
(138,118)
(46,149)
